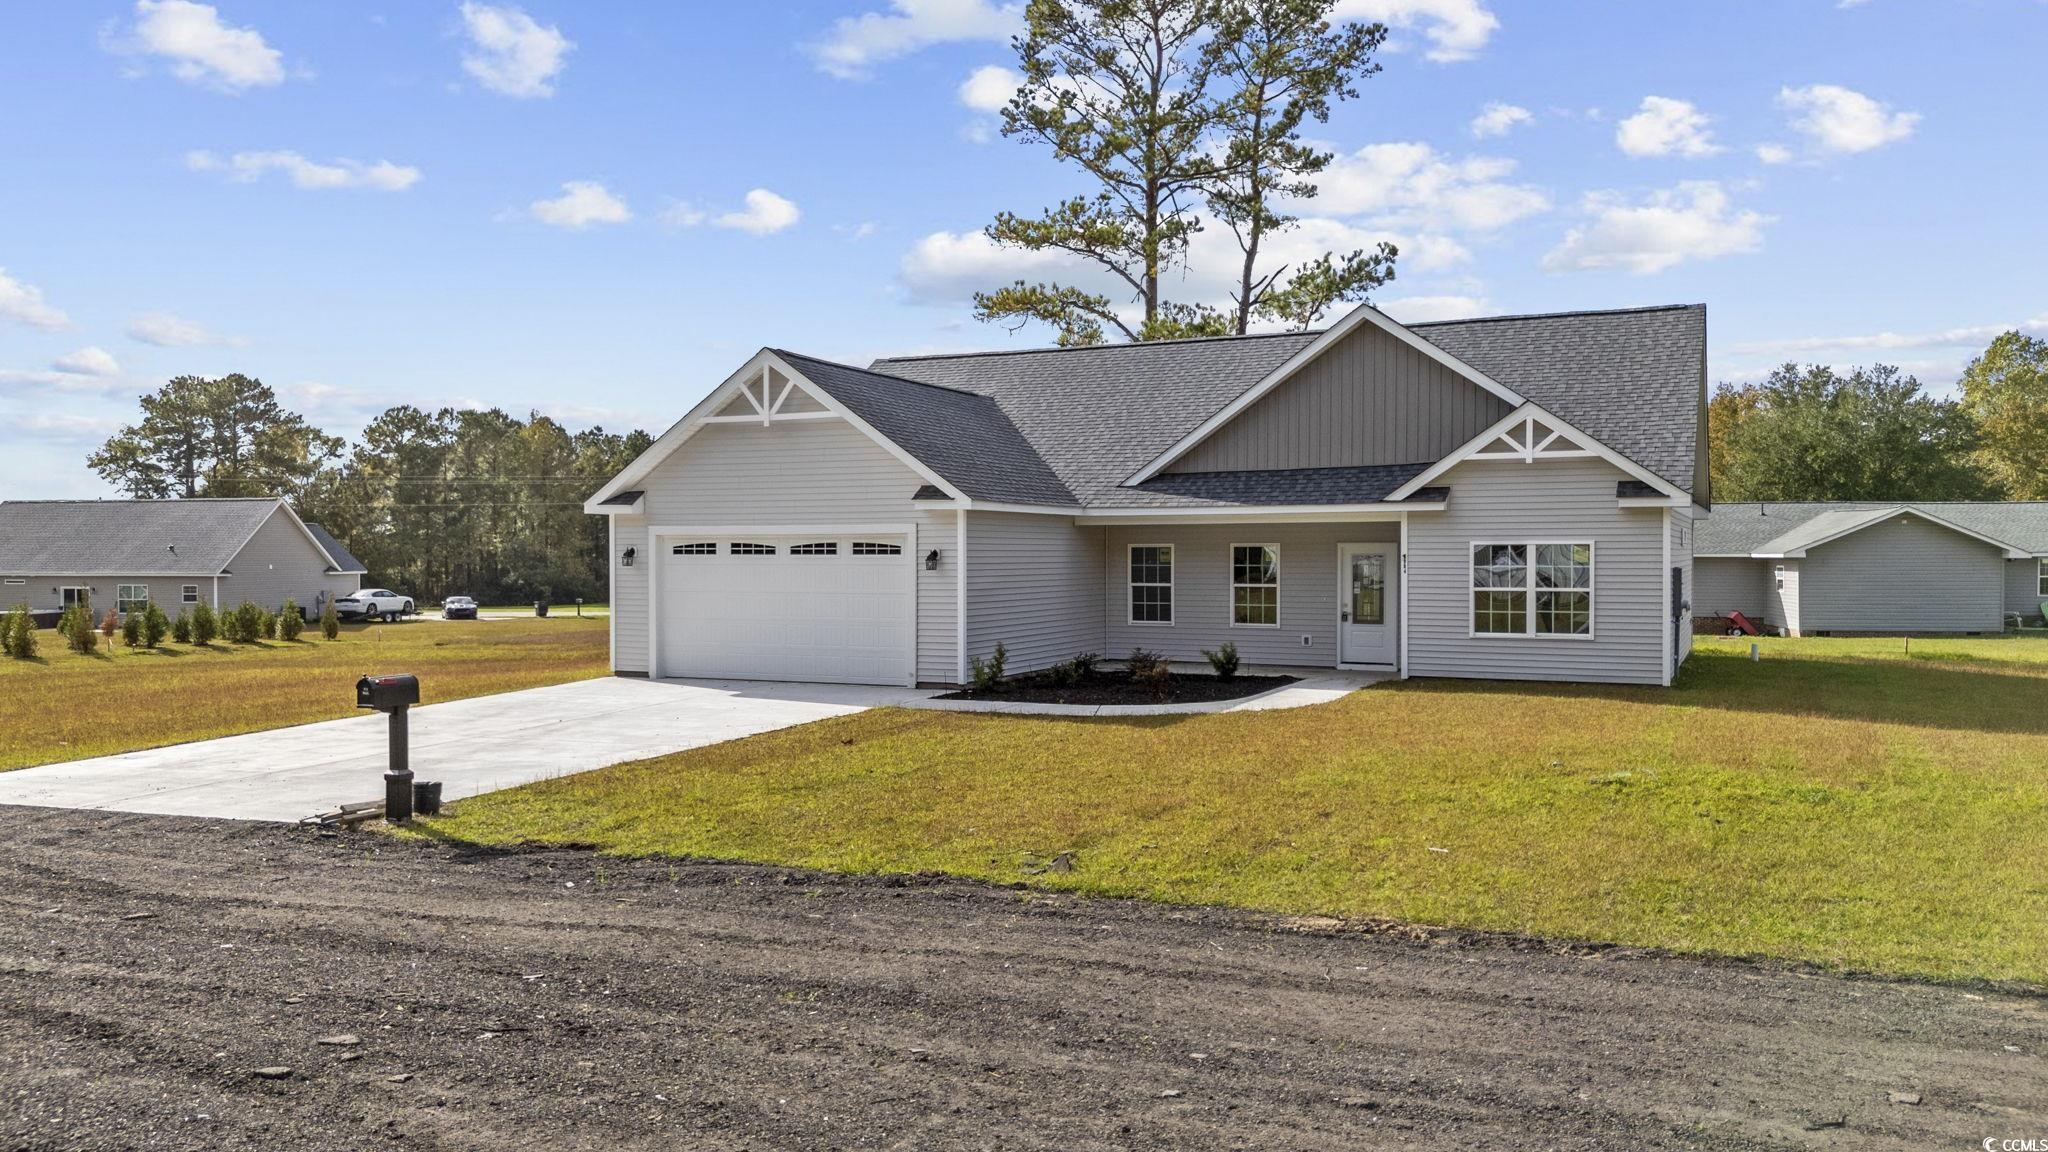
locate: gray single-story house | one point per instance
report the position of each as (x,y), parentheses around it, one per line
(1873,566)
(1509,497)
(174,553)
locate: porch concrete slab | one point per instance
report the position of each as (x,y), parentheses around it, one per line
(472,746)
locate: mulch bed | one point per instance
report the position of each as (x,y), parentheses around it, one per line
(1118,688)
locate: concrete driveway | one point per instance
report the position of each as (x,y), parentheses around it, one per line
(476,745)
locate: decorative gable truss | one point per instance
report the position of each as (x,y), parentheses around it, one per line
(1530,438)
(767,395)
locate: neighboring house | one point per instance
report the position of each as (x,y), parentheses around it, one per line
(1873,566)
(1508,498)
(175,553)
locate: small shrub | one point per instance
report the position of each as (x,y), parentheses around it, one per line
(181,628)
(154,625)
(1062,675)
(1148,667)
(1084,663)
(131,628)
(245,625)
(110,624)
(205,625)
(78,631)
(289,621)
(269,626)
(24,647)
(987,676)
(330,624)
(1223,660)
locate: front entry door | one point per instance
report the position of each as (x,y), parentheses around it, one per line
(1366,582)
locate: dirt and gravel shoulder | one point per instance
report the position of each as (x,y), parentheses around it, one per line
(151,966)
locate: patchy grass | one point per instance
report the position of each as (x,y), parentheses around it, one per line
(63,706)
(1835,803)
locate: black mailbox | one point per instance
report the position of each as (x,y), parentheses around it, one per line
(388,693)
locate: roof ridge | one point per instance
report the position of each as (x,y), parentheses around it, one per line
(1555,315)
(883,375)
(1887,503)
(1096,347)
(165,500)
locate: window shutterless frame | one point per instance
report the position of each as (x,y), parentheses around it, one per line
(1237,584)
(189,594)
(1529,589)
(1164,559)
(2041,576)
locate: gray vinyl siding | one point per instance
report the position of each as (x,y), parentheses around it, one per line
(789,473)
(1559,501)
(1729,584)
(280,561)
(1034,584)
(1781,595)
(40,592)
(2023,593)
(1370,399)
(1910,577)
(1201,590)
(629,595)
(1681,558)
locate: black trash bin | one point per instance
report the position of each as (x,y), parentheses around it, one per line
(540,607)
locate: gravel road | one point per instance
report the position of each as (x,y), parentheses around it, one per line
(433,996)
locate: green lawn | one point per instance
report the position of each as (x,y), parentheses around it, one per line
(64,706)
(1837,802)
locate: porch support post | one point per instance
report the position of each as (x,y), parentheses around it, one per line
(1402,575)
(1668,625)
(960,592)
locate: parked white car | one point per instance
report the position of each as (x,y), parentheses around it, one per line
(374,603)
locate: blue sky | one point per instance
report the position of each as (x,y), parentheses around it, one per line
(597,210)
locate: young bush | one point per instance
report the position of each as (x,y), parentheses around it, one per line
(205,625)
(1148,667)
(110,624)
(78,630)
(154,625)
(987,676)
(289,622)
(17,633)
(249,622)
(1062,675)
(131,628)
(330,624)
(1084,664)
(269,626)
(181,628)
(1223,660)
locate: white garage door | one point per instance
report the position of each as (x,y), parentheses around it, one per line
(761,607)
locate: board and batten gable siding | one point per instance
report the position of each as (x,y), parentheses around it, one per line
(1201,590)
(2023,593)
(280,561)
(1034,585)
(1781,595)
(1368,399)
(796,473)
(1727,584)
(1902,577)
(1557,501)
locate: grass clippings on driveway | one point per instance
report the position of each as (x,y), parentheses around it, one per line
(1837,803)
(64,706)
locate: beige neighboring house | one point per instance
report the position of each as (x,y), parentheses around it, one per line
(175,553)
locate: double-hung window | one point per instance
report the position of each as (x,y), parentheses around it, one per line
(1532,589)
(131,597)
(2041,577)
(1151,574)
(189,594)
(1254,586)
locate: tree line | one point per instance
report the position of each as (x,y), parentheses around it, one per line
(1814,433)
(453,501)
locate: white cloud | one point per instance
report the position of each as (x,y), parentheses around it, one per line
(1456,29)
(1498,119)
(1842,120)
(581,204)
(246,167)
(680,215)
(1693,221)
(88,361)
(989,88)
(1971,335)
(1423,309)
(168,331)
(856,44)
(201,49)
(1412,186)
(1774,153)
(67,425)
(24,304)
(511,53)
(764,214)
(1663,126)
(860,231)
(56,381)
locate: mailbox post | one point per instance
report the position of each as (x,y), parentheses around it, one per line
(394,694)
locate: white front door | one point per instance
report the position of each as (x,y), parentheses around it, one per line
(1366,626)
(753,606)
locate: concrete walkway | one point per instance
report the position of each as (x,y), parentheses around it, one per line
(472,746)
(1316,686)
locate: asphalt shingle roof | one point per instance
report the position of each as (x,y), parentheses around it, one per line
(344,561)
(961,435)
(1743,529)
(1286,485)
(126,537)
(1633,379)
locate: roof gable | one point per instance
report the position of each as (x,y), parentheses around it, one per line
(1771,530)
(197,537)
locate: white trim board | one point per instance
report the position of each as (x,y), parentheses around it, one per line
(1470,450)
(1362,314)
